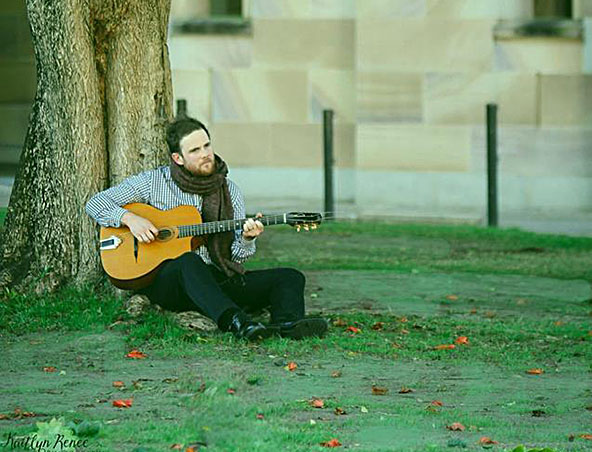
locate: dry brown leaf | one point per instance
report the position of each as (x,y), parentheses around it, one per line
(379,390)
(535,371)
(49,369)
(136,354)
(405,390)
(118,384)
(485,440)
(316,403)
(292,366)
(456,426)
(340,411)
(452,297)
(462,340)
(336,374)
(444,347)
(331,443)
(123,403)
(378,326)
(339,322)
(437,403)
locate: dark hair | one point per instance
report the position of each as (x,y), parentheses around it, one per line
(180,128)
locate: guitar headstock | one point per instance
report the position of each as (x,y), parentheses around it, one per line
(305,220)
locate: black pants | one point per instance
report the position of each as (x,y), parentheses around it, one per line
(188,284)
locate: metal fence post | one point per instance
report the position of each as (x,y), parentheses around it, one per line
(492,217)
(328,152)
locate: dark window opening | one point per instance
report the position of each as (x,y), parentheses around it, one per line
(553,9)
(226,8)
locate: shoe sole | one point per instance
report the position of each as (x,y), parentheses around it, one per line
(306,328)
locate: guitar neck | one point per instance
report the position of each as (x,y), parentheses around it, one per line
(214,227)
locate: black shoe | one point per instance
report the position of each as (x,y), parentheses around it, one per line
(243,328)
(298,329)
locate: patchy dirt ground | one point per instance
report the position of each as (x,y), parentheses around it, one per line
(184,398)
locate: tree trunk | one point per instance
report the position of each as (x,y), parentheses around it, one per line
(103,98)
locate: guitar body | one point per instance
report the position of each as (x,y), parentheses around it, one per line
(131,264)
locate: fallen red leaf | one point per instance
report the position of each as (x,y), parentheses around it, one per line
(260,416)
(19,414)
(378,326)
(464,340)
(379,390)
(405,390)
(535,371)
(487,440)
(292,366)
(452,297)
(586,436)
(118,384)
(353,329)
(122,403)
(231,391)
(49,369)
(444,347)
(316,403)
(190,449)
(331,443)
(136,354)
(437,403)
(456,426)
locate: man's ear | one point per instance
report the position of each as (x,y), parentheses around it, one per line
(177,158)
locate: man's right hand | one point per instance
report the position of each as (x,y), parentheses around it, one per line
(140,227)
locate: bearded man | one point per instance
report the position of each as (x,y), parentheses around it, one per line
(211,279)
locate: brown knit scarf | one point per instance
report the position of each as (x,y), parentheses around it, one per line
(216,206)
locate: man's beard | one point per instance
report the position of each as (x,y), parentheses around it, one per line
(201,172)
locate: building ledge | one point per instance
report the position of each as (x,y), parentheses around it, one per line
(223,25)
(539,28)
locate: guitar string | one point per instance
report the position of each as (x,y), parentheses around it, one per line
(324,217)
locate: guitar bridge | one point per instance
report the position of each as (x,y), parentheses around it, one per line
(109,243)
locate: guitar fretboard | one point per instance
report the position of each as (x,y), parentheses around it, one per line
(214,227)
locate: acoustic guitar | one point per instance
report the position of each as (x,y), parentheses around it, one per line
(131,264)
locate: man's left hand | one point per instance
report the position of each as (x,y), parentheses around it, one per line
(252,227)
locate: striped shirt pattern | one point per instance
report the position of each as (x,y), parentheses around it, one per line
(157,188)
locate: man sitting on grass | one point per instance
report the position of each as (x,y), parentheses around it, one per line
(212,279)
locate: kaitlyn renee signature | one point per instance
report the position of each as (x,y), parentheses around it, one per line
(43,445)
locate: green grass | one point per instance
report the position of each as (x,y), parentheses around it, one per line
(522,299)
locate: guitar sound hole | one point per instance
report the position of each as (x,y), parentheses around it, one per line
(164,234)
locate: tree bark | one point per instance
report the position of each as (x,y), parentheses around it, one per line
(103,99)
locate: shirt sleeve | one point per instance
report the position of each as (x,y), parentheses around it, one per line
(106,207)
(241,249)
